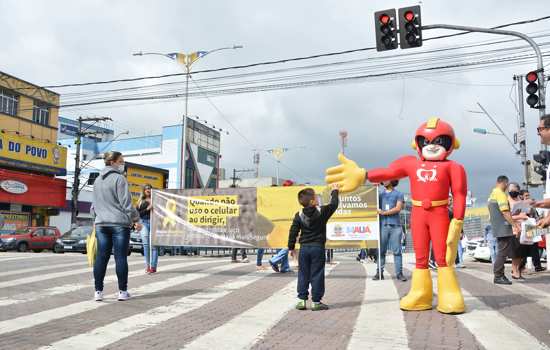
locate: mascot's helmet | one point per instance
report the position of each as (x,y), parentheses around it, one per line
(436,131)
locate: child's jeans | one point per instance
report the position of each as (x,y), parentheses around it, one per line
(311,271)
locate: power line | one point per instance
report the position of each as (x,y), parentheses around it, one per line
(364,69)
(284,86)
(286,60)
(240,133)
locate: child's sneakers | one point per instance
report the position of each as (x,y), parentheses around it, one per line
(301,305)
(318,306)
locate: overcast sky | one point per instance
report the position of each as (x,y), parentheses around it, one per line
(47,42)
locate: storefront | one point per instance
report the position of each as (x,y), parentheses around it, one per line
(29,191)
(29,198)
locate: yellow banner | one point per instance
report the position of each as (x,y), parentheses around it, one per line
(21,152)
(357,213)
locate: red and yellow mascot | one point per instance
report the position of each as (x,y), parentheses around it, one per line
(431,176)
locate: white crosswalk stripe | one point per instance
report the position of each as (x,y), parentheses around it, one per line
(41,268)
(32,320)
(542,298)
(120,329)
(493,330)
(265,315)
(73,287)
(381,298)
(48,276)
(380,323)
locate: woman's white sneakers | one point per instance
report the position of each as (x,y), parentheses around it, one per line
(123,295)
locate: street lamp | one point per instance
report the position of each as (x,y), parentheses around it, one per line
(487,132)
(187,61)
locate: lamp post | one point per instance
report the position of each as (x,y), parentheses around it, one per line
(187,61)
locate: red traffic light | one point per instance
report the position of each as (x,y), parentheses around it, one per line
(531,77)
(409,16)
(384,19)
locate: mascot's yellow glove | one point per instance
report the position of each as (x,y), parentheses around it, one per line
(348,175)
(453,239)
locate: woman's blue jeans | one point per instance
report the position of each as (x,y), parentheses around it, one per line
(109,237)
(150,253)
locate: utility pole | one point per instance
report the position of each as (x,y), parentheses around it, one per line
(256,161)
(522,136)
(343,140)
(78,142)
(235,172)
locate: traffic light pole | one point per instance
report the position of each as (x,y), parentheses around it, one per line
(540,65)
(522,134)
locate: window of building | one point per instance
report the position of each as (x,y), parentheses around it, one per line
(41,113)
(9,102)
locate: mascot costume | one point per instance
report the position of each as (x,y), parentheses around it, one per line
(431,176)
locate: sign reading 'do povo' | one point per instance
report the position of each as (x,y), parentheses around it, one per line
(256,217)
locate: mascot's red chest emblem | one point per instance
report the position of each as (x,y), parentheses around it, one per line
(426,175)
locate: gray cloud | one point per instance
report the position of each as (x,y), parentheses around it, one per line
(67,41)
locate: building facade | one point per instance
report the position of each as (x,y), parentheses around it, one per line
(30,157)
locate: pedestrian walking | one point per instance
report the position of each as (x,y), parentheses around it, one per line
(391,203)
(311,224)
(259,258)
(234,252)
(281,258)
(115,216)
(505,230)
(150,252)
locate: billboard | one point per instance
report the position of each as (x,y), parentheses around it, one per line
(139,175)
(25,153)
(257,217)
(11,221)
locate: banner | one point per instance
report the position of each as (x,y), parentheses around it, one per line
(24,153)
(11,221)
(250,217)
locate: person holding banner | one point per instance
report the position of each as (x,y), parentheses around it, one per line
(311,224)
(150,252)
(432,176)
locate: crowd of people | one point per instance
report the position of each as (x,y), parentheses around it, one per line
(509,206)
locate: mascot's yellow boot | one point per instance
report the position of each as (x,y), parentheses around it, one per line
(449,295)
(421,294)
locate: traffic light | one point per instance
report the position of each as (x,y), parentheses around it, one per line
(541,163)
(386,30)
(532,89)
(410,27)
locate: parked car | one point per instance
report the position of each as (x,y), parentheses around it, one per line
(482,252)
(31,238)
(74,240)
(472,245)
